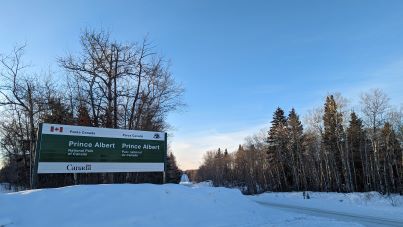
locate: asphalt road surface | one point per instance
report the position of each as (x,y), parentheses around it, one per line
(340,216)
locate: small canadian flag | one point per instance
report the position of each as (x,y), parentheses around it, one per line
(56,129)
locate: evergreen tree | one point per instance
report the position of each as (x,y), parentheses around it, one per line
(227,168)
(58,112)
(173,173)
(332,141)
(359,156)
(218,168)
(277,150)
(295,141)
(83,116)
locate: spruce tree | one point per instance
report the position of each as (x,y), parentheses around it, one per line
(227,168)
(218,168)
(332,141)
(295,141)
(359,156)
(173,173)
(83,116)
(277,150)
(58,113)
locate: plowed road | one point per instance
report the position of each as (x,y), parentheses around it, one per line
(341,216)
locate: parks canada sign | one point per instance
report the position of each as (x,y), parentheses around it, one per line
(78,149)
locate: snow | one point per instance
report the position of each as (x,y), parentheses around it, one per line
(207,183)
(185,180)
(144,205)
(367,204)
(6,187)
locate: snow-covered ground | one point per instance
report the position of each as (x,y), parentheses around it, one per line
(368,204)
(5,187)
(145,205)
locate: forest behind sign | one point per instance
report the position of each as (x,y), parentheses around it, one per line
(78,149)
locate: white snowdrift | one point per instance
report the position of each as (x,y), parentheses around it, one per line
(143,205)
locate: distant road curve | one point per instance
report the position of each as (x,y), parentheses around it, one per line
(341,216)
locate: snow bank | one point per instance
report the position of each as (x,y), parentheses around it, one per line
(204,184)
(143,205)
(3,188)
(370,203)
(6,187)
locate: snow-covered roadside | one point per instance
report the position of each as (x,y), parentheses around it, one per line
(6,187)
(368,204)
(144,205)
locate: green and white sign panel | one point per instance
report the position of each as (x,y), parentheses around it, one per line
(77,149)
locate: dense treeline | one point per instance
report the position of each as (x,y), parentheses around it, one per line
(337,151)
(108,84)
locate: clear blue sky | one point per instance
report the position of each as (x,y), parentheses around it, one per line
(238,60)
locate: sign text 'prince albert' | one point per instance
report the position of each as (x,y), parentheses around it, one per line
(78,149)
